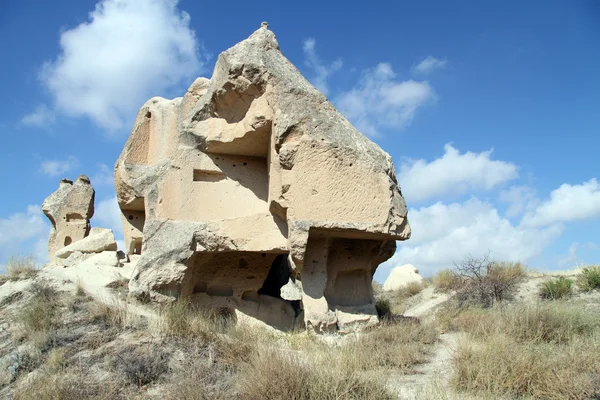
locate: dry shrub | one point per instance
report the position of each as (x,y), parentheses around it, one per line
(446,280)
(39,315)
(116,315)
(22,267)
(182,320)
(377,288)
(278,375)
(485,282)
(383,305)
(56,360)
(556,289)
(142,366)
(503,367)
(200,378)
(66,386)
(589,279)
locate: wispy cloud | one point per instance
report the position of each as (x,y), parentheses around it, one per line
(58,167)
(428,65)
(381,101)
(128,51)
(321,71)
(103,176)
(42,117)
(24,233)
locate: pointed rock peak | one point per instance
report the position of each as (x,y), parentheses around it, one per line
(64,182)
(83,179)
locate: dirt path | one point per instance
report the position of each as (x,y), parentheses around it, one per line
(432,379)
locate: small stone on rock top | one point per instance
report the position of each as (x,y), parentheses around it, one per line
(264,24)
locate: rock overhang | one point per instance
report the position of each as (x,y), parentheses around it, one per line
(256,162)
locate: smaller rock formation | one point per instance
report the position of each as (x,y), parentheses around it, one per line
(402,276)
(69,209)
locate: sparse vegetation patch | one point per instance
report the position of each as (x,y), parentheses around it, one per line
(556,288)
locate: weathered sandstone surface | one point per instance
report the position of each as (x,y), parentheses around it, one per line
(69,209)
(402,276)
(252,192)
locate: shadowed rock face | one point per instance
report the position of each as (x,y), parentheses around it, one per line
(253,192)
(69,209)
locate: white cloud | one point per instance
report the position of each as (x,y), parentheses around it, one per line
(321,71)
(128,51)
(58,167)
(103,176)
(446,233)
(453,174)
(108,215)
(380,101)
(42,117)
(567,203)
(24,233)
(428,65)
(519,199)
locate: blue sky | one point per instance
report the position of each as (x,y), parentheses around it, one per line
(490,110)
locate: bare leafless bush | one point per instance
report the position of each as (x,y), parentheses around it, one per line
(485,282)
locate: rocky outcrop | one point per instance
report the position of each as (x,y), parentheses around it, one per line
(253,192)
(99,240)
(402,276)
(69,209)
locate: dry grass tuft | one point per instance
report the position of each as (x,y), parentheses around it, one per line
(274,374)
(545,351)
(39,315)
(116,315)
(23,267)
(446,280)
(200,378)
(67,386)
(538,323)
(398,346)
(502,366)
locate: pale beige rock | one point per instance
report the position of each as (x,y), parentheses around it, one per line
(69,209)
(105,258)
(99,240)
(252,192)
(402,276)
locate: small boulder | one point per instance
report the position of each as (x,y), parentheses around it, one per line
(99,240)
(402,276)
(103,259)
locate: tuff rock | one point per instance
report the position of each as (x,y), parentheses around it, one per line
(69,210)
(99,240)
(253,180)
(402,276)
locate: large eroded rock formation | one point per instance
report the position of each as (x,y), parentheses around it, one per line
(69,209)
(253,192)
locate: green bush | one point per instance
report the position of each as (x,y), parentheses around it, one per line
(589,279)
(557,288)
